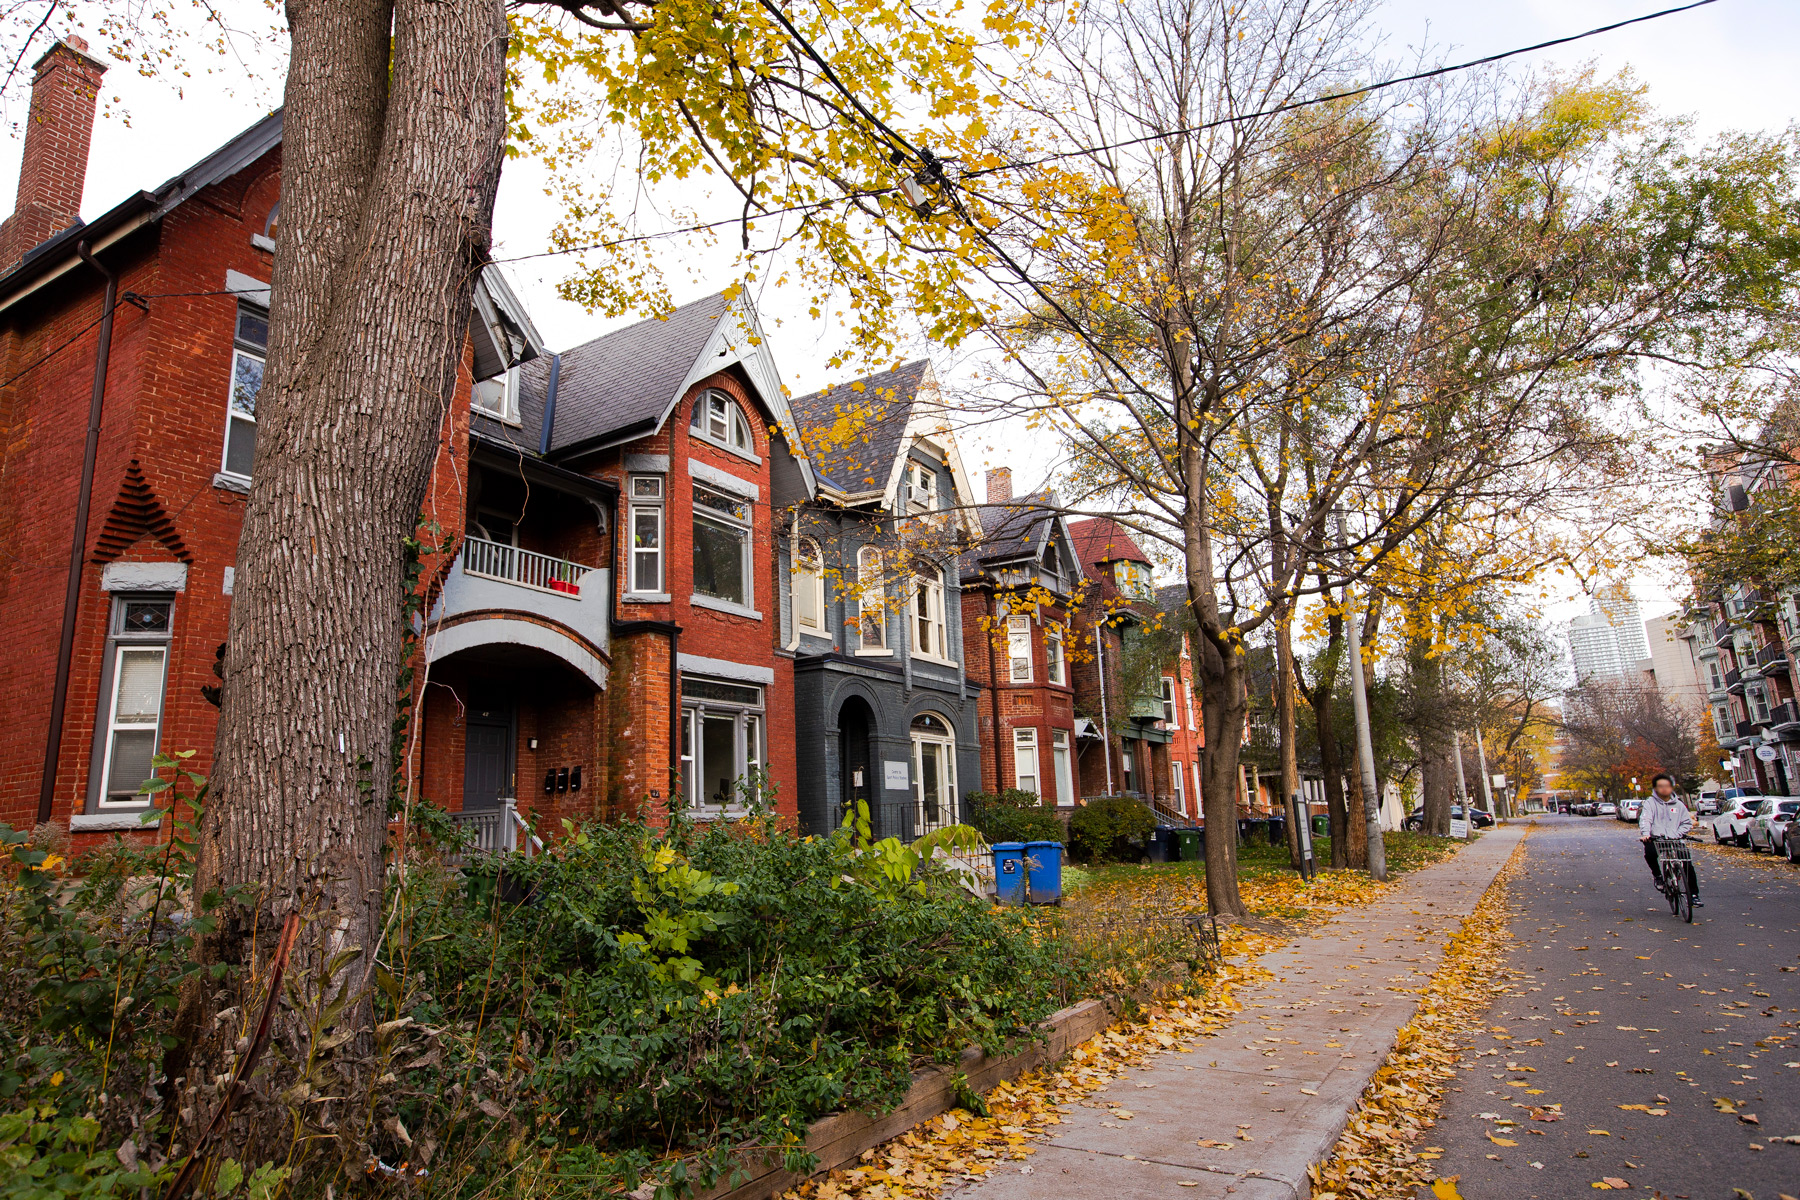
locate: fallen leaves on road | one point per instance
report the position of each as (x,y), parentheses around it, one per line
(1374,1157)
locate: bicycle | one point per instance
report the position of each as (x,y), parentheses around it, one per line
(1680,883)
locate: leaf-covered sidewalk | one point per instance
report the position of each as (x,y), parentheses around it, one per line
(1169,1097)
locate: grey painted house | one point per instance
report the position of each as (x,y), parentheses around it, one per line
(885,711)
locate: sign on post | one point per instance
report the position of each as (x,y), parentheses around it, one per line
(1300,815)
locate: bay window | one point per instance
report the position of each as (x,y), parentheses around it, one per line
(1054,666)
(1171,716)
(721,743)
(1018,648)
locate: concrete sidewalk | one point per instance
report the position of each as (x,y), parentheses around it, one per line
(1285,1073)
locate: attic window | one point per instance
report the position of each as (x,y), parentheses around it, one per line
(1134,579)
(498,397)
(717,418)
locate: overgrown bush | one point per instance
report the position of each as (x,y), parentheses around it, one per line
(1013,816)
(1108,826)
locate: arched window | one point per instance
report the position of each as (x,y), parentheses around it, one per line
(872,599)
(934,773)
(809,586)
(718,419)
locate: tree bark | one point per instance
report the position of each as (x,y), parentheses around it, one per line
(1287,720)
(1320,698)
(386,213)
(1437,770)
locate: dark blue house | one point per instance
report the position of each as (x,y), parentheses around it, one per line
(884,710)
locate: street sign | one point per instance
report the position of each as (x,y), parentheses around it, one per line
(1499,781)
(1767,753)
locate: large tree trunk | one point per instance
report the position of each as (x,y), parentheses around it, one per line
(1285,718)
(1437,768)
(1321,697)
(1222,714)
(386,210)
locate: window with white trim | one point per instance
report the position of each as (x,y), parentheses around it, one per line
(921,487)
(138,659)
(721,546)
(250,351)
(646,534)
(1178,774)
(1055,667)
(1063,764)
(1018,649)
(718,419)
(1025,760)
(1188,688)
(871,618)
(929,639)
(808,586)
(934,773)
(498,397)
(1715,675)
(1134,579)
(1171,716)
(721,742)
(1758,701)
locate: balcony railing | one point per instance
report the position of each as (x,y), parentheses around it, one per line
(495,560)
(1746,729)
(1785,716)
(1772,657)
(1734,680)
(500,830)
(1722,633)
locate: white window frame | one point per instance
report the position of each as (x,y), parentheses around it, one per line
(717,408)
(1715,675)
(921,487)
(1188,689)
(1025,761)
(808,582)
(122,642)
(1178,772)
(1197,788)
(1756,698)
(744,527)
(1018,649)
(504,385)
(1056,666)
(245,349)
(1062,763)
(1171,712)
(945,743)
(871,602)
(655,507)
(1126,577)
(748,725)
(929,621)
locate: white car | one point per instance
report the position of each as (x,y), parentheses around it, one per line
(1733,825)
(1769,827)
(1629,809)
(1706,804)
(1607,809)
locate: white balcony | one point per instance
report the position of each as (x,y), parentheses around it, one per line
(493,585)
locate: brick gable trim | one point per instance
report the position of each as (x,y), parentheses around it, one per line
(137,513)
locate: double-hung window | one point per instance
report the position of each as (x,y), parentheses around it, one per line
(808,578)
(1025,760)
(1063,765)
(934,773)
(1134,579)
(871,600)
(498,397)
(721,743)
(928,616)
(1018,649)
(1055,668)
(647,512)
(721,546)
(718,419)
(921,487)
(1178,774)
(250,350)
(137,664)
(1758,702)
(1171,715)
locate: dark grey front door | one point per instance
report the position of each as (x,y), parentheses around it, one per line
(487,764)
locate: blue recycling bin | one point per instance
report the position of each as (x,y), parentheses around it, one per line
(1009,872)
(1044,871)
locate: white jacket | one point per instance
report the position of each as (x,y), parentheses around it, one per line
(1664,818)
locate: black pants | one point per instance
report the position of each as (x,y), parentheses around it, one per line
(1656,871)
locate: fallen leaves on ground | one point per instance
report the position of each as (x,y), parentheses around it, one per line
(1375,1158)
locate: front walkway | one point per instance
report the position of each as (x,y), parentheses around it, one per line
(1250,1108)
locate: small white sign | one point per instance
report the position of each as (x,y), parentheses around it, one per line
(1767,753)
(1499,781)
(1459,828)
(896,775)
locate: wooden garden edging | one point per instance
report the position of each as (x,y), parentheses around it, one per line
(841,1137)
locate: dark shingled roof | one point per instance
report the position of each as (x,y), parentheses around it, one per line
(1011,530)
(859,455)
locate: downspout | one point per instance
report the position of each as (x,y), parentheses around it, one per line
(1105,721)
(65,649)
(994,684)
(550,410)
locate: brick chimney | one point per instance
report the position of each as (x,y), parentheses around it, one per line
(999,485)
(64,96)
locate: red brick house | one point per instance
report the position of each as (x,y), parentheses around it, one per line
(1020,588)
(563,666)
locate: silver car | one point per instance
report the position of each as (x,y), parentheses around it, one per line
(1769,827)
(1733,825)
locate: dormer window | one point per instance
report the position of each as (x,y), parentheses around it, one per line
(498,397)
(1134,580)
(718,419)
(921,487)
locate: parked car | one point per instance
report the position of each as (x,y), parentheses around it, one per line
(1733,825)
(1769,827)
(1607,809)
(1583,808)
(1481,816)
(1706,804)
(1629,809)
(1738,793)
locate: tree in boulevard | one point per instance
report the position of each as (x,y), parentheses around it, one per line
(395,131)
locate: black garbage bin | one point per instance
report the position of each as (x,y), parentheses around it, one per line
(1162,846)
(1277,830)
(1246,826)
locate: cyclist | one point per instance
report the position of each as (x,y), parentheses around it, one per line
(1664,816)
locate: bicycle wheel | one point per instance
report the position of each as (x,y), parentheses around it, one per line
(1687,903)
(1674,892)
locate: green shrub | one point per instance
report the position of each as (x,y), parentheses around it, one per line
(1098,827)
(1013,816)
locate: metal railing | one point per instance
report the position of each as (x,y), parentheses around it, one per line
(1772,655)
(1785,713)
(510,564)
(1722,633)
(500,830)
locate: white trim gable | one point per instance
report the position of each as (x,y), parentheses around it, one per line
(928,423)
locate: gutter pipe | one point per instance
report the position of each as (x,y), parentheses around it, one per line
(65,649)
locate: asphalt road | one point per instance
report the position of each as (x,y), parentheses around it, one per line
(1681,1043)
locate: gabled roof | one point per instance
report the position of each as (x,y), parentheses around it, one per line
(1101,540)
(1017,531)
(853,432)
(56,256)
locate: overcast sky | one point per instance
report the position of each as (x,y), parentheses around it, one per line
(1733,64)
